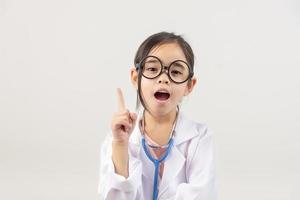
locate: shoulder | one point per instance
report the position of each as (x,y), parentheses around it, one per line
(188,129)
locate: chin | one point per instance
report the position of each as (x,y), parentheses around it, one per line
(161,111)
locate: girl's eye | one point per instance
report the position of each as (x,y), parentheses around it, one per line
(152,69)
(176,72)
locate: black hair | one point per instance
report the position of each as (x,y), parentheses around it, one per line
(154,41)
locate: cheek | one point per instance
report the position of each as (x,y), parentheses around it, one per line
(180,91)
(145,83)
(146,86)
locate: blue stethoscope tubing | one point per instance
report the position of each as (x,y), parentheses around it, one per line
(156,163)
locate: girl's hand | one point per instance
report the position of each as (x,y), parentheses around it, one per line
(123,121)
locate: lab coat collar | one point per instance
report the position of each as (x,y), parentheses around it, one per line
(184,131)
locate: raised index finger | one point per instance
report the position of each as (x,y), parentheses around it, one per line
(121,101)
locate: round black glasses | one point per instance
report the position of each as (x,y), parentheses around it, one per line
(178,71)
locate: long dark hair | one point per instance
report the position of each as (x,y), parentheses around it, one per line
(154,41)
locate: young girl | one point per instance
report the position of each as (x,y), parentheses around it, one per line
(159,154)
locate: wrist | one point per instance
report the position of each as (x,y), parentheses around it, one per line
(121,143)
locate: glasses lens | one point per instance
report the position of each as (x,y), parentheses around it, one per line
(179,71)
(151,67)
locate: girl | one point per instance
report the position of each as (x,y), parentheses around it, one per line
(165,156)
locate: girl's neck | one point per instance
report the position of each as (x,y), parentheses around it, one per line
(159,128)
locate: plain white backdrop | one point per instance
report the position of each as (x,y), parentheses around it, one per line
(61,62)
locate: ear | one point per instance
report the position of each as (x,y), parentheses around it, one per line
(134,77)
(190,86)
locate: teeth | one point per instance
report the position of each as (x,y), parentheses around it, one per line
(163,91)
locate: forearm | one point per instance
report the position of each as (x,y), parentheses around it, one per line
(120,158)
(115,185)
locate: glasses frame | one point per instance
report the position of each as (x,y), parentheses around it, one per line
(164,69)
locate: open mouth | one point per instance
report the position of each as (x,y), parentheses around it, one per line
(162,96)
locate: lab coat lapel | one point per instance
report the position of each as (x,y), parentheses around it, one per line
(172,167)
(184,131)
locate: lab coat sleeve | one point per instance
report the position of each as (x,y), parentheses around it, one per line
(114,186)
(200,170)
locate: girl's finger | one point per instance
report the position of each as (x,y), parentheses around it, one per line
(121,101)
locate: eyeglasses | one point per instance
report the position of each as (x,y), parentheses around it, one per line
(178,71)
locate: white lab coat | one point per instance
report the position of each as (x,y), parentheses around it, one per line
(189,171)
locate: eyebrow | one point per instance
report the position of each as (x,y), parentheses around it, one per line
(177,64)
(152,61)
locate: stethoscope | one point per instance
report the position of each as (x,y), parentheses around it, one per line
(156,162)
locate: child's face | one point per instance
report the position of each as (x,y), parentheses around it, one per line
(154,91)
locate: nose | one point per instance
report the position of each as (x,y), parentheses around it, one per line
(163,78)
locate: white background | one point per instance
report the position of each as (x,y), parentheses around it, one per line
(60,62)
